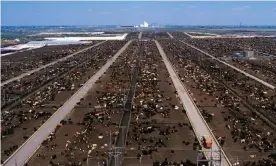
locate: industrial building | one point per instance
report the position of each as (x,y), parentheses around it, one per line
(243,55)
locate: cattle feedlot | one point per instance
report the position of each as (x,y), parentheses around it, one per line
(146,100)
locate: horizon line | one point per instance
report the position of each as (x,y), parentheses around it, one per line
(158,24)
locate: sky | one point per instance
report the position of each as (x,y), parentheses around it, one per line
(134,13)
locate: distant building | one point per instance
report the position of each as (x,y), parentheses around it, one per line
(145,25)
(243,55)
(249,54)
(127,26)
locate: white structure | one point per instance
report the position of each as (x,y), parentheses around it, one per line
(117,37)
(70,33)
(210,35)
(64,41)
(243,55)
(145,25)
(20,47)
(249,54)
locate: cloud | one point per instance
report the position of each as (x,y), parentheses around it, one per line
(241,8)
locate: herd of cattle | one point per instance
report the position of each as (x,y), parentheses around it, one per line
(16,64)
(40,98)
(240,111)
(226,94)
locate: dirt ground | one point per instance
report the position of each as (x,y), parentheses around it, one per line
(168,116)
(132,35)
(113,82)
(28,126)
(206,91)
(155,35)
(179,35)
(159,130)
(262,66)
(179,143)
(260,69)
(18,63)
